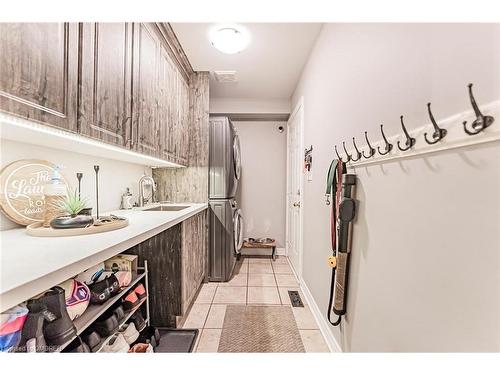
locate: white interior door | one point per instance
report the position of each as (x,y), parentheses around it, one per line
(295,155)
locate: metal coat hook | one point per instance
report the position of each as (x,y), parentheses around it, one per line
(388,146)
(338,156)
(481,122)
(439,133)
(357,151)
(372,150)
(410,142)
(349,157)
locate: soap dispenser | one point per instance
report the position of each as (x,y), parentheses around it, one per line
(54,194)
(127,200)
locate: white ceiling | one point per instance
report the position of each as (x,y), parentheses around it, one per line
(268,68)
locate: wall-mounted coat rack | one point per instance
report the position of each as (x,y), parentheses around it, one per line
(459,130)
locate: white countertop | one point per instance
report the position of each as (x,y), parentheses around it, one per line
(31,265)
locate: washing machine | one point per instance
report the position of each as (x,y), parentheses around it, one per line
(226,223)
(224,160)
(226,238)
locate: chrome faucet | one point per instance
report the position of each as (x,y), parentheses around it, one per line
(146,180)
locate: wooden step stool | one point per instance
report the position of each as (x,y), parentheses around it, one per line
(261,245)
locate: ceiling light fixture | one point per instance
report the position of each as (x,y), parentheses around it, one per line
(229,39)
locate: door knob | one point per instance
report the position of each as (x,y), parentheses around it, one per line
(296,204)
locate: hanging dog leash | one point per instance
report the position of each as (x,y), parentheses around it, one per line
(339,189)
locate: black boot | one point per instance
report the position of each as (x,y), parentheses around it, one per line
(59,328)
(32,338)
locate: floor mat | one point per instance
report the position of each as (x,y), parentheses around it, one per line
(260,329)
(177,340)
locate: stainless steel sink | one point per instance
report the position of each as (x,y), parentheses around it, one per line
(167,208)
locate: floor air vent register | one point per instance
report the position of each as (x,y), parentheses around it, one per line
(295,298)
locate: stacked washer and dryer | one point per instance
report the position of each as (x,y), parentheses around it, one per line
(226,223)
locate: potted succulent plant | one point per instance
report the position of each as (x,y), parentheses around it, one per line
(72,205)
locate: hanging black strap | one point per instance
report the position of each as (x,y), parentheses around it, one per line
(330,177)
(332,190)
(330,302)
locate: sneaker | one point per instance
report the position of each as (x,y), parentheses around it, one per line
(116,344)
(92,339)
(138,320)
(77,346)
(102,291)
(106,324)
(147,339)
(140,291)
(141,348)
(130,333)
(119,313)
(124,277)
(131,301)
(59,328)
(152,332)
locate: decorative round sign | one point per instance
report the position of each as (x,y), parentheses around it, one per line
(22,184)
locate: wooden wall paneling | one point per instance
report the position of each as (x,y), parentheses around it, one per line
(163,253)
(199,113)
(105,100)
(39,72)
(190,184)
(145,129)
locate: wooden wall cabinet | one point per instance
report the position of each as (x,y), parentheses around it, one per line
(105,105)
(176,261)
(184,118)
(39,72)
(167,107)
(173,111)
(145,126)
(125,84)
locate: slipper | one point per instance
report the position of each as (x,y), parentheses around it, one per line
(141,348)
(131,301)
(140,291)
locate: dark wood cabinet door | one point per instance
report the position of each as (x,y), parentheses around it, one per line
(194,255)
(166,108)
(39,72)
(183,119)
(145,129)
(105,105)
(163,253)
(173,111)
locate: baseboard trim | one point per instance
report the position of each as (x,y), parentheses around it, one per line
(323,323)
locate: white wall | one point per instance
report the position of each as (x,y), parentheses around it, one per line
(261,191)
(425,271)
(254,106)
(114,176)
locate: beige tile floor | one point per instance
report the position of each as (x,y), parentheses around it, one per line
(257,281)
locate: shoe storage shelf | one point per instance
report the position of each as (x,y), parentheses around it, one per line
(125,319)
(93,312)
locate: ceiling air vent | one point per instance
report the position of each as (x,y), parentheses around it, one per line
(225,76)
